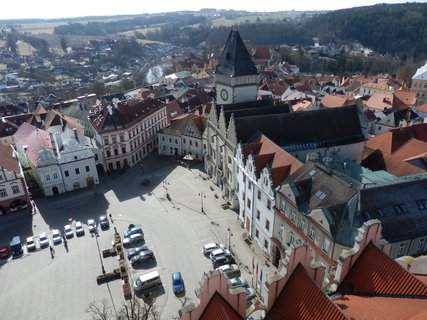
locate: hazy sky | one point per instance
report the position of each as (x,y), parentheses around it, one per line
(11,9)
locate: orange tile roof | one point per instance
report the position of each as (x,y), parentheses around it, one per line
(267,153)
(374,273)
(302,299)
(7,161)
(382,308)
(421,107)
(219,309)
(334,101)
(380,101)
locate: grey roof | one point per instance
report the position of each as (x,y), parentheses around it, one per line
(401,208)
(305,130)
(235,59)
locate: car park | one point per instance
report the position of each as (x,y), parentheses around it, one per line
(133,240)
(104,223)
(222,260)
(219,252)
(142,257)
(209,247)
(133,230)
(31,244)
(56,236)
(238,282)
(91,225)
(135,251)
(80,231)
(43,240)
(4,252)
(68,231)
(250,293)
(177,283)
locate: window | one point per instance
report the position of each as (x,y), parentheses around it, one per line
(268,204)
(108,153)
(267,224)
(1,177)
(293,216)
(257,233)
(77,171)
(259,195)
(248,203)
(122,138)
(15,189)
(191,142)
(55,175)
(258,214)
(47,177)
(282,205)
(67,174)
(326,246)
(420,245)
(422,204)
(163,139)
(400,209)
(176,141)
(266,244)
(281,230)
(401,250)
(229,159)
(302,224)
(196,143)
(114,139)
(291,238)
(87,169)
(312,233)
(249,185)
(116,152)
(123,149)
(3,192)
(106,141)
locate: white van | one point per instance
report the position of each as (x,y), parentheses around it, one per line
(219,252)
(147,281)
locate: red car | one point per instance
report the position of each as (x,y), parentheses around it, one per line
(4,252)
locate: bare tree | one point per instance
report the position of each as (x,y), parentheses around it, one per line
(100,310)
(137,309)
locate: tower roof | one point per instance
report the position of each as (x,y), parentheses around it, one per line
(235,59)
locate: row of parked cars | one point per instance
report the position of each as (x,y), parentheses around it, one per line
(139,254)
(44,240)
(224,262)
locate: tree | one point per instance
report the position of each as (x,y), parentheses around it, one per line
(64,44)
(100,310)
(136,309)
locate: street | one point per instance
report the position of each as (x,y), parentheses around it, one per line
(36,286)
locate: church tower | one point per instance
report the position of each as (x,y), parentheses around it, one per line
(236,76)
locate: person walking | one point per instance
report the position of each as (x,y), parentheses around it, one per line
(52,252)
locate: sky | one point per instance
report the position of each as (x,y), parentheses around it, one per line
(46,9)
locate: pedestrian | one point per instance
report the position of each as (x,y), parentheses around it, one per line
(52,252)
(111,218)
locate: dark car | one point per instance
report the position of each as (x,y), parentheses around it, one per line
(142,257)
(4,252)
(104,223)
(177,283)
(133,252)
(133,240)
(133,230)
(222,260)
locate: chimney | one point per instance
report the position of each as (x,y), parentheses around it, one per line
(75,134)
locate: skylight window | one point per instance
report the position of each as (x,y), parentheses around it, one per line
(312,173)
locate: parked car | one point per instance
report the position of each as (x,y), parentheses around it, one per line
(133,230)
(91,225)
(142,257)
(209,247)
(16,246)
(147,281)
(4,252)
(232,270)
(219,252)
(177,283)
(222,260)
(80,231)
(31,244)
(104,223)
(133,252)
(238,282)
(68,231)
(133,240)
(43,240)
(250,293)
(56,236)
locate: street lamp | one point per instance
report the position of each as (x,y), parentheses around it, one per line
(229,238)
(99,251)
(165,186)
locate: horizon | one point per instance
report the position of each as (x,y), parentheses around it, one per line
(51,10)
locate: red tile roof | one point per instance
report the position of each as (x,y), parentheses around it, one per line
(334,101)
(422,108)
(267,153)
(374,273)
(219,309)
(7,161)
(302,299)
(382,308)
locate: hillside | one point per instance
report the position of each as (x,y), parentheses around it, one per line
(399,29)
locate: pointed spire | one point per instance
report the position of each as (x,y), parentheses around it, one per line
(235,59)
